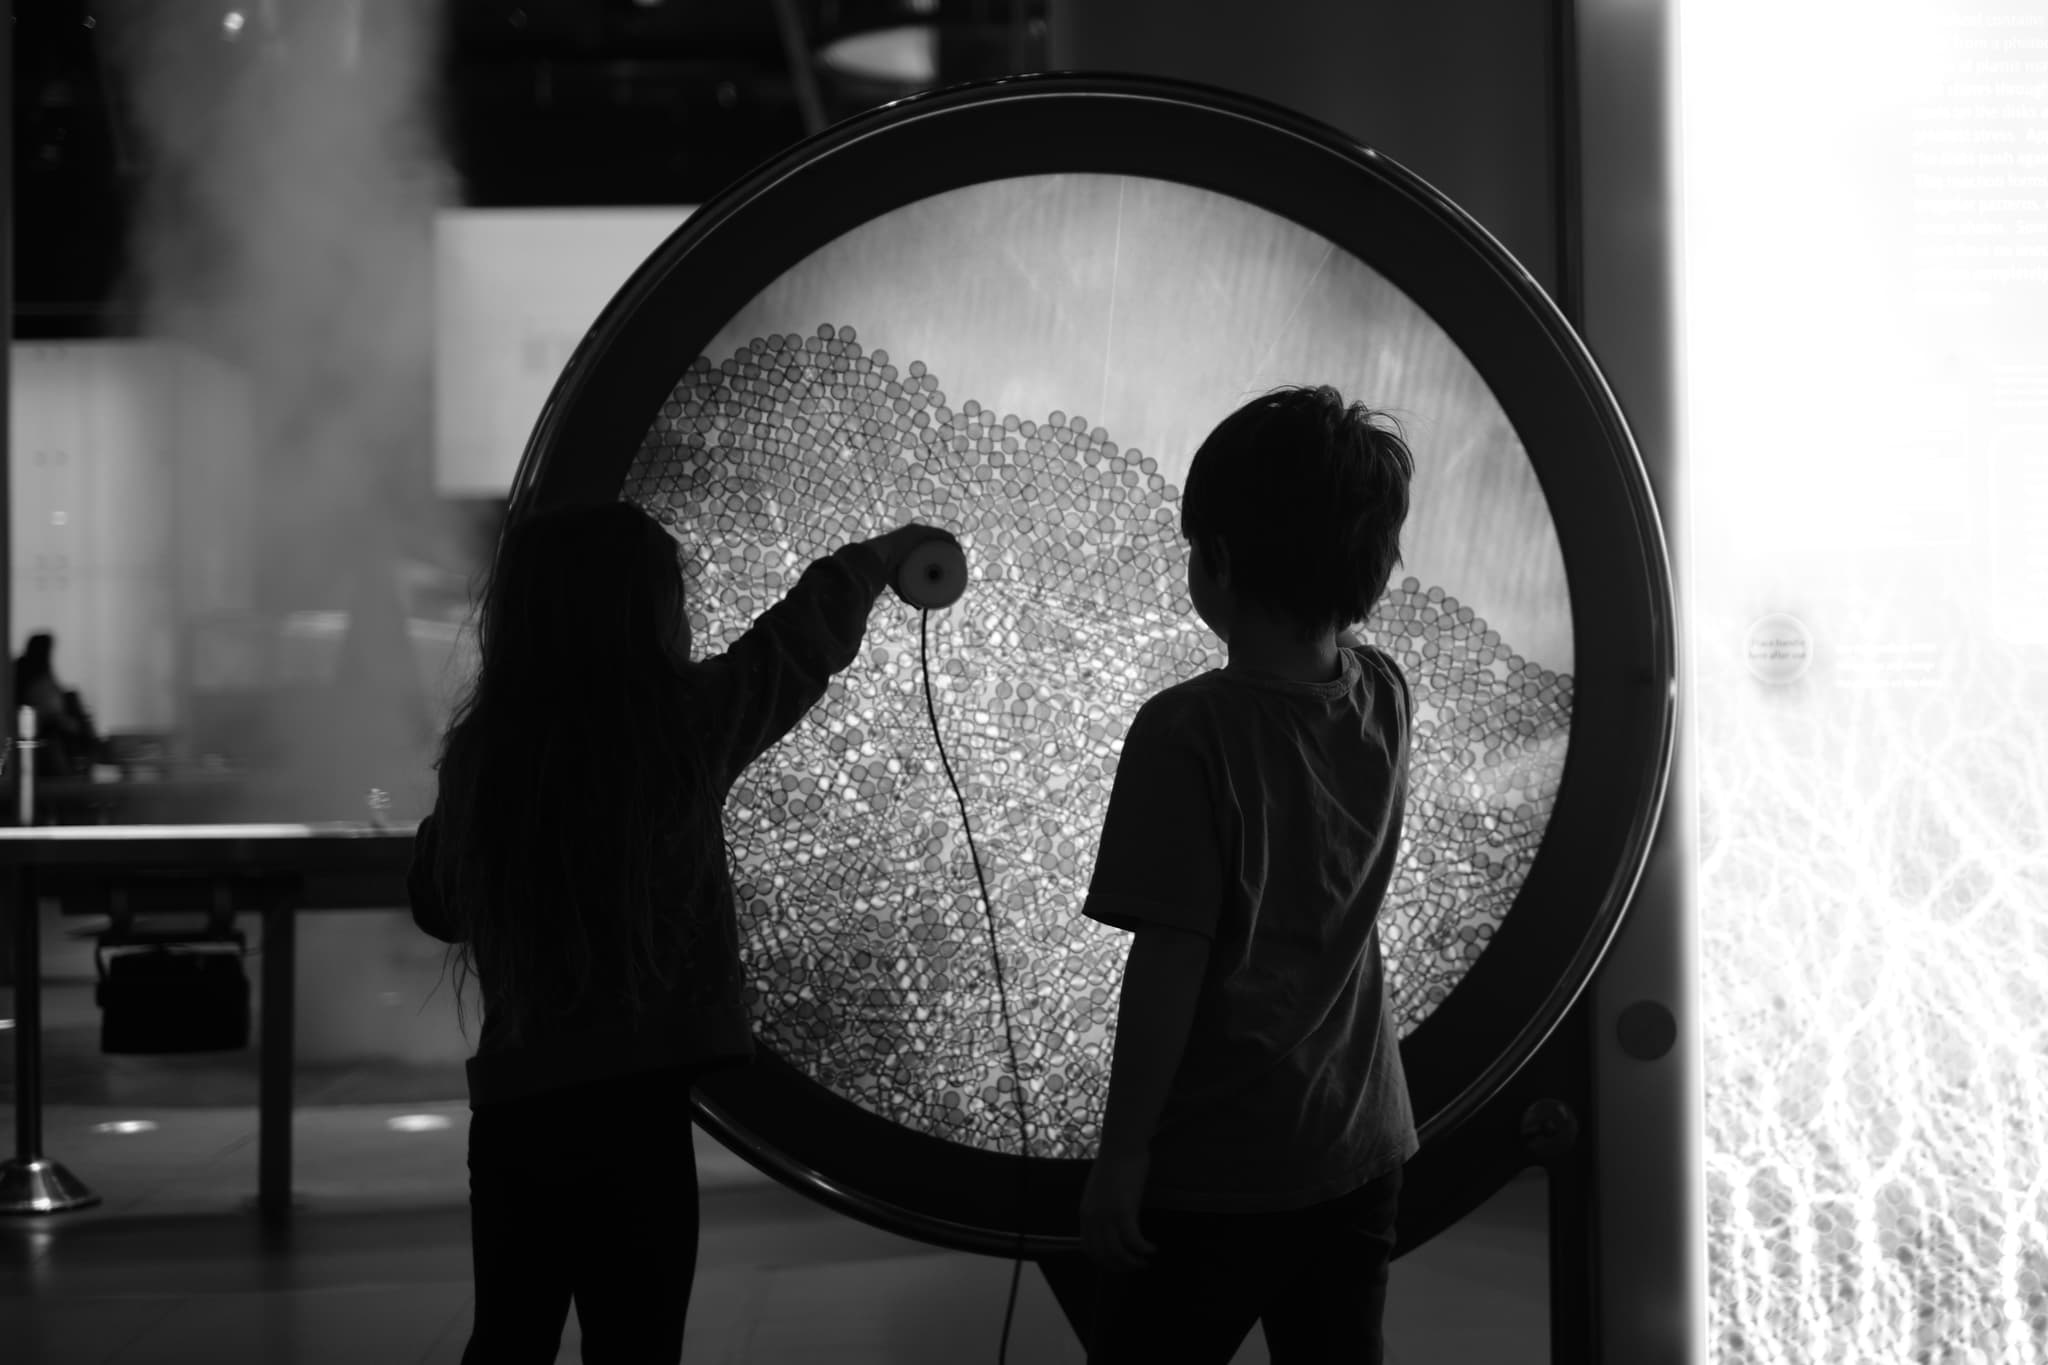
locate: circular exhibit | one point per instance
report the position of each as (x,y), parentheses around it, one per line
(1014,311)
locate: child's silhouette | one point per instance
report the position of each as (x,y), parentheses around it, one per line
(576,858)
(1258,1117)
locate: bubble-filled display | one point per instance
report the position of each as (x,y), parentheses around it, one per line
(1014,311)
(864,934)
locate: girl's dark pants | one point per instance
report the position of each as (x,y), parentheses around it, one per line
(587,1193)
(1316,1277)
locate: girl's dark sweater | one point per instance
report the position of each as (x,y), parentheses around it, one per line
(745,700)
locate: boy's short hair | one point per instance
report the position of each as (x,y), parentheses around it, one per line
(1308,495)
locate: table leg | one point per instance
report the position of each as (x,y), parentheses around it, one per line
(274,1084)
(28,1019)
(31,1182)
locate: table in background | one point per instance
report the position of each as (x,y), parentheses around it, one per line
(275,870)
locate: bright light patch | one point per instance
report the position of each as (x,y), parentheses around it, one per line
(908,54)
(1866,266)
(418,1123)
(123,1127)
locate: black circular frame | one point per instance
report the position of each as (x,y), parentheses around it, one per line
(1618,573)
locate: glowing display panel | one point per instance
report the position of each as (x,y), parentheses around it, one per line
(1031,363)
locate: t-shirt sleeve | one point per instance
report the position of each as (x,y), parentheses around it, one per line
(755,692)
(1392,667)
(1160,862)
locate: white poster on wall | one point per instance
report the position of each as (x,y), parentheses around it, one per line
(514,292)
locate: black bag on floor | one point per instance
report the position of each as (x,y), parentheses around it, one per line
(190,996)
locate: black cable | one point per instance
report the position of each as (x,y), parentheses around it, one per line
(1002,991)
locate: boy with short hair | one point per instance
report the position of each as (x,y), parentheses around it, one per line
(1258,1116)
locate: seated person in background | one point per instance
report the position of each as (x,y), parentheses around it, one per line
(71,744)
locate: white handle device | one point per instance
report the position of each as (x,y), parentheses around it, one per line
(933,575)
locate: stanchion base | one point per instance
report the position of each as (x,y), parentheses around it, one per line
(41,1186)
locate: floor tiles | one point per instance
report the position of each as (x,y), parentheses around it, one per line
(173,1267)
(780,1280)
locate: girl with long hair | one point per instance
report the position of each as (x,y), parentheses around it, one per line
(575,858)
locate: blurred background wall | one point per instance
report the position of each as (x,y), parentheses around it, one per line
(1457,91)
(248,493)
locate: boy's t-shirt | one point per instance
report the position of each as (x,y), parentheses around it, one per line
(1265,815)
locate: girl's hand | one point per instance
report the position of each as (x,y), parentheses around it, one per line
(1109,1212)
(896,545)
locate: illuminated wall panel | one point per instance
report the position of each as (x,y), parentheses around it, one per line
(1866,247)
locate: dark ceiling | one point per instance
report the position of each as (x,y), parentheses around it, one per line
(544,102)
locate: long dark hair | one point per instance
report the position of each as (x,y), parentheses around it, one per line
(572,785)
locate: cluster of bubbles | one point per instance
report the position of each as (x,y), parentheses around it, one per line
(866,943)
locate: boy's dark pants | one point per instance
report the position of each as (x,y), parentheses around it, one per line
(587,1193)
(1316,1277)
